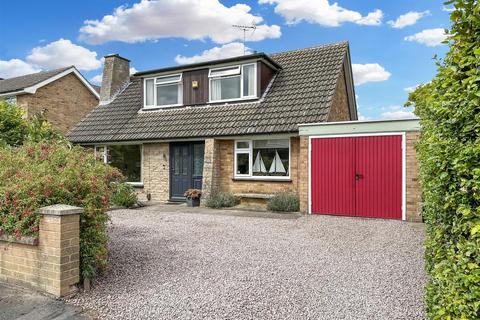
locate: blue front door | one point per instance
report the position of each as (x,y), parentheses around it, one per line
(186,168)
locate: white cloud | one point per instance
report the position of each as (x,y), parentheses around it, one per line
(411,89)
(429,37)
(361,117)
(15,67)
(399,114)
(226,51)
(322,12)
(96,79)
(63,53)
(189,19)
(408,19)
(133,70)
(369,72)
(447,9)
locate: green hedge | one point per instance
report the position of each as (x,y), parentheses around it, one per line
(449,154)
(40,174)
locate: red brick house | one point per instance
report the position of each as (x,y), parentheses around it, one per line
(64,95)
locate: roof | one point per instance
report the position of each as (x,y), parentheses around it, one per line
(260,55)
(301,92)
(22,82)
(31,82)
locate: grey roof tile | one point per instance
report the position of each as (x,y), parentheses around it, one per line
(22,82)
(302,92)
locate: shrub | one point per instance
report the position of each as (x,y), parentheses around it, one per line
(123,195)
(284,202)
(222,200)
(15,129)
(449,155)
(46,173)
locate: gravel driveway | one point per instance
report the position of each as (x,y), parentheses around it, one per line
(174,262)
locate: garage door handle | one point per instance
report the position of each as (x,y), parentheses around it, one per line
(358,176)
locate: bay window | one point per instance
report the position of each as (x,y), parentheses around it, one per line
(231,83)
(164,91)
(126,158)
(269,159)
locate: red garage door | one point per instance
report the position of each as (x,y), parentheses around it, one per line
(357,176)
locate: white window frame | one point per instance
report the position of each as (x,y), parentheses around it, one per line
(241,74)
(243,151)
(250,175)
(105,160)
(156,83)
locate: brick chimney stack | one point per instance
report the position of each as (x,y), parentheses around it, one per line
(116,74)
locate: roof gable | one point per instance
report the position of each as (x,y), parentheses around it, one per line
(31,82)
(301,92)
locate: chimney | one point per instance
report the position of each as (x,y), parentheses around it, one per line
(116,73)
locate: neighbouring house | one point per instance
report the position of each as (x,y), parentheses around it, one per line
(229,125)
(62,95)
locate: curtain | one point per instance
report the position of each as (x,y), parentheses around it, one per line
(216,89)
(248,80)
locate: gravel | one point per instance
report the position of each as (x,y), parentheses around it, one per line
(175,262)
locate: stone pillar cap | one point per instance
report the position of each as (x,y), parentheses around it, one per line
(60,210)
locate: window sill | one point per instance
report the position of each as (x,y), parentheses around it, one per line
(136,184)
(162,107)
(267,179)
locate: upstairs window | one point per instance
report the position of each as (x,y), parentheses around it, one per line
(233,83)
(164,91)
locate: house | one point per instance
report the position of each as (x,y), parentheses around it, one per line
(63,95)
(225,125)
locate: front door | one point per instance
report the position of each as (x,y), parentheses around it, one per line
(186,168)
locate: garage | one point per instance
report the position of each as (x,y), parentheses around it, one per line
(364,169)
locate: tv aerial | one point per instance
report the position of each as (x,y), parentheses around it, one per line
(245,29)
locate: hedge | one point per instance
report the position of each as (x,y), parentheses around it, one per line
(449,154)
(39,174)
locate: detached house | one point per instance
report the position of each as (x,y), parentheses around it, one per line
(225,125)
(64,95)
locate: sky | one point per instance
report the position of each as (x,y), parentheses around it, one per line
(392,43)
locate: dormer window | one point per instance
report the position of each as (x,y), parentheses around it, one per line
(163,91)
(233,83)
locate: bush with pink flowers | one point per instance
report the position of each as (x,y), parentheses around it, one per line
(38,174)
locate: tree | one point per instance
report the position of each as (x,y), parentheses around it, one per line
(449,155)
(13,127)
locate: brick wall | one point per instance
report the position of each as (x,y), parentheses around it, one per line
(67,101)
(339,110)
(414,191)
(226,182)
(155,171)
(51,266)
(303,175)
(211,172)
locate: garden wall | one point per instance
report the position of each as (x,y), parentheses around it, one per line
(50,263)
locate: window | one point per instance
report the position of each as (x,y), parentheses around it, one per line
(237,82)
(164,91)
(262,159)
(126,158)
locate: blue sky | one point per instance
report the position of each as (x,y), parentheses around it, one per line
(392,42)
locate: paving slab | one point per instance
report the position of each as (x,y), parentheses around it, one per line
(21,304)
